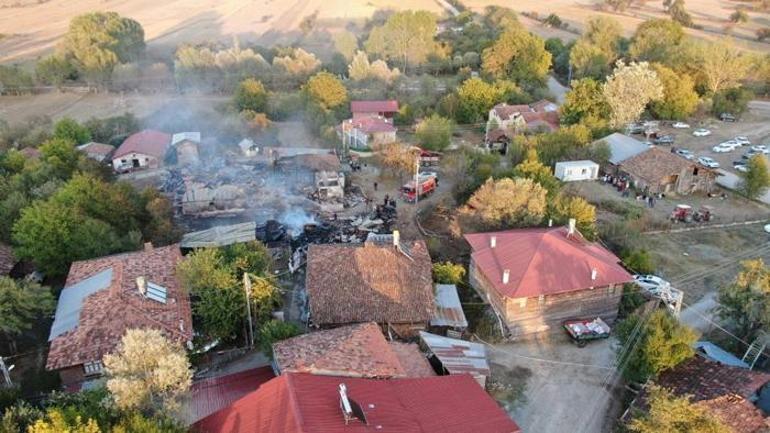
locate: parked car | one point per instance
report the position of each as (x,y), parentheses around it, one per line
(701,132)
(722,148)
(649,281)
(680,125)
(741,167)
(634,128)
(708,162)
(684,153)
(761,148)
(750,154)
(727,117)
(742,140)
(664,139)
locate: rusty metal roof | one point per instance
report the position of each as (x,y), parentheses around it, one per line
(448,311)
(458,356)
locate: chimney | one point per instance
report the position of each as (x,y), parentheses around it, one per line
(396,238)
(594,274)
(141,284)
(148,246)
(506,276)
(492,241)
(571,226)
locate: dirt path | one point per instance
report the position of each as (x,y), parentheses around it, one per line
(557,90)
(698,315)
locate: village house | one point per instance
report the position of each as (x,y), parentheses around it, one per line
(186,145)
(350,351)
(371,125)
(506,121)
(103,298)
(536,278)
(382,280)
(99,152)
(454,356)
(737,396)
(307,403)
(657,171)
(145,149)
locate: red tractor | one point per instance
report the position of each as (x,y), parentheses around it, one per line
(704,214)
(682,213)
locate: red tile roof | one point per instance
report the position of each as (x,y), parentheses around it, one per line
(544,261)
(352,351)
(107,314)
(369,125)
(385,106)
(369,283)
(547,118)
(505,111)
(148,142)
(722,389)
(303,403)
(213,394)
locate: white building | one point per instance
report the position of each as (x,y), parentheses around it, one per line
(568,171)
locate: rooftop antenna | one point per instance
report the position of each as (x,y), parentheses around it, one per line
(350,409)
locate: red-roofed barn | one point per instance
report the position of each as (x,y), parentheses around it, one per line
(386,108)
(537,278)
(145,149)
(305,403)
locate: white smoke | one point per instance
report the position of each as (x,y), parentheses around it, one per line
(295,219)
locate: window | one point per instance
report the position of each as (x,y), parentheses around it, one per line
(695,171)
(583,171)
(522,303)
(93,368)
(541,300)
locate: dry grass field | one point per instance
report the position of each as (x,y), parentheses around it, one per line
(32,28)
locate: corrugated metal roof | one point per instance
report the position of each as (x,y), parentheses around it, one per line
(458,356)
(71,301)
(215,393)
(448,311)
(716,353)
(622,147)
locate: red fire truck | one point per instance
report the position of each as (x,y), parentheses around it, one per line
(426,185)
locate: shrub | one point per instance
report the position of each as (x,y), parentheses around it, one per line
(448,273)
(274,331)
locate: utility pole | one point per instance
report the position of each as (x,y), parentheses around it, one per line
(247,289)
(417,180)
(6,372)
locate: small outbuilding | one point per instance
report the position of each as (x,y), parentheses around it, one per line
(453,356)
(448,314)
(569,171)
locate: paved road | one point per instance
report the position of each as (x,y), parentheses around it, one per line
(695,315)
(559,92)
(730,181)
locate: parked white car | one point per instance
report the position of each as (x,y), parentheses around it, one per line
(742,140)
(742,168)
(722,148)
(701,132)
(686,154)
(680,125)
(708,162)
(651,283)
(761,148)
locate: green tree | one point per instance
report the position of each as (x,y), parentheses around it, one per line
(679,97)
(679,13)
(745,303)
(69,129)
(434,132)
(136,422)
(274,331)
(407,37)
(14,80)
(519,56)
(21,305)
(628,91)
(346,44)
(55,70)
(448,273)
(639,261)
(585,102)
(507,203)
(19,417)
(756,180)
(147,372)
(251,95)
(55,422)
(734,100)
(98,41)
(532,168)
(658,343)
(721,66)
(670,414)
(326,90)
(476,97)
(597,48)
(656,40)
(61,155)
(564,208)
(739,17)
